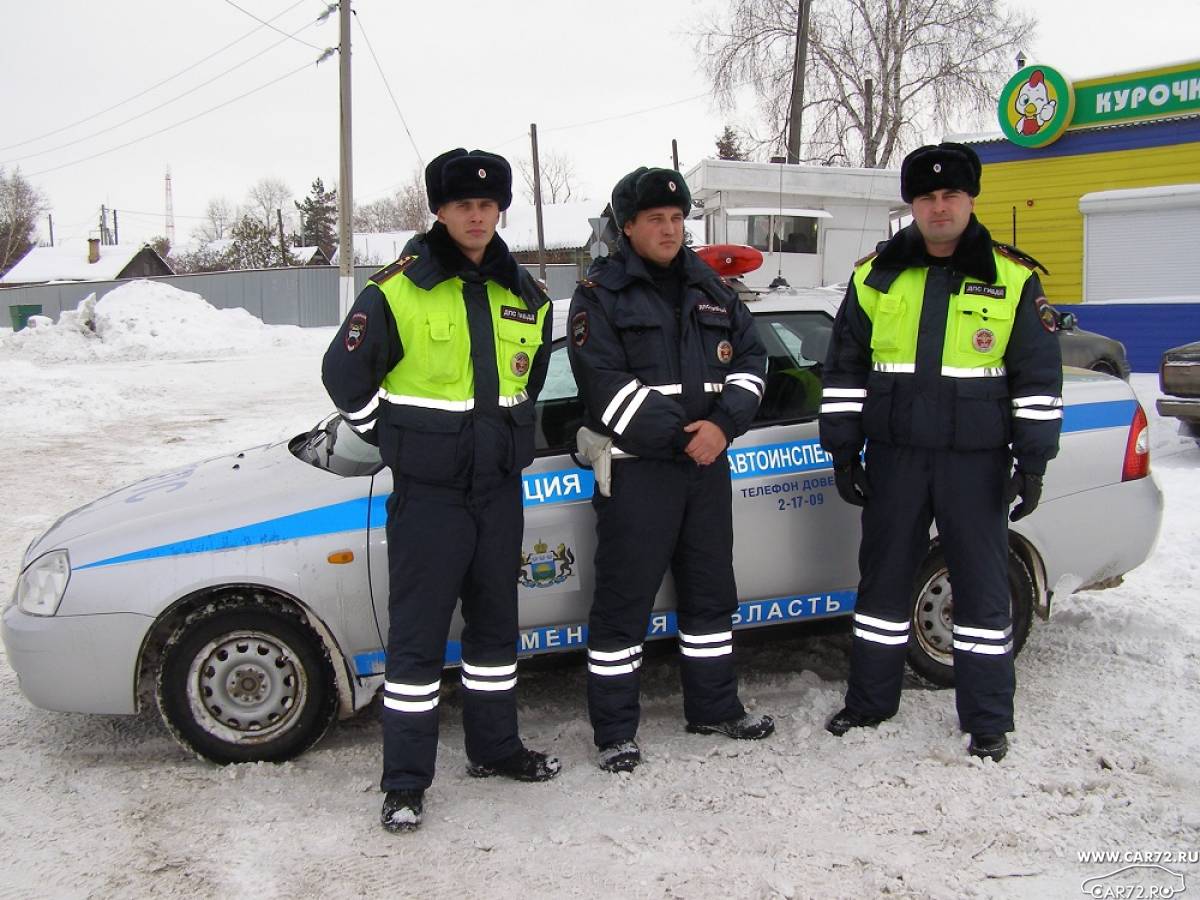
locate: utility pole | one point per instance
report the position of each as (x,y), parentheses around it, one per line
(797,107)
(170,210)
(868,123)
(282,246)
(116,229)
(346,170)
(537,203)
(674,154)
(50,217)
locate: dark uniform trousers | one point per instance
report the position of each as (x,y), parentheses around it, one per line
(964,492)
(444,543)
(662,514)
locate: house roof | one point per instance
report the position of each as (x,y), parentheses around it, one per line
(69,262)
(304,255)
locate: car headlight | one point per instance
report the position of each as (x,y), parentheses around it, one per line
(41,586)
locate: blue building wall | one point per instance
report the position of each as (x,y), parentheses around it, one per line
(1146,329)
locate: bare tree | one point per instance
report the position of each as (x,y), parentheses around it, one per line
(922,63)
(268,195)
(559,181)
(218,220)
(21,204)
(405,210)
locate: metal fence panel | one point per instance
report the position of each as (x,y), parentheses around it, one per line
(297,295)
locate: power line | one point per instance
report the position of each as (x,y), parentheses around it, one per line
(272,27)
(363,32)
(175,125)
(144,113)
(142,93)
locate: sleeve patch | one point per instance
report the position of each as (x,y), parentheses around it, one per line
(356,331)
(579,329)
(1046,314)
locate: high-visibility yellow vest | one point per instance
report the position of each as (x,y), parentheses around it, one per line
(979,321)
(435,371)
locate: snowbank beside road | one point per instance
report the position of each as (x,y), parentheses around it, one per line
(149,320)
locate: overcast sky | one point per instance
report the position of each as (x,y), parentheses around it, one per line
(609,84)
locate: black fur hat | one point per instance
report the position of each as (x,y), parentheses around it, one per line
(459,175)
(940,167)
(645,188)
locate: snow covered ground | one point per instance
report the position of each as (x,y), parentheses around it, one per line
(1104,758)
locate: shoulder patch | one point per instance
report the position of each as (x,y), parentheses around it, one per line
(1046,314)
(1008,251)
(393,269)
(870,256)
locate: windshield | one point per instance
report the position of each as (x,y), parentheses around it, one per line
(333,445)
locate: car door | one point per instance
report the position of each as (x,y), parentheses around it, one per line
(795,540)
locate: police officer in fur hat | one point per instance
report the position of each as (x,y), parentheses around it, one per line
(439,363)
(943,360)
(670,370)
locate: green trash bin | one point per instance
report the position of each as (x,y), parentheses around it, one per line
(21,314)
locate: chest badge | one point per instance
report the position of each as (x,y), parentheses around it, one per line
(983,340)
(519,363)
(724,352)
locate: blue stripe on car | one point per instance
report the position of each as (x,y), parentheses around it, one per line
(561,486)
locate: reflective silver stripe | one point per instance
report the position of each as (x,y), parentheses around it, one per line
(1043,414)
(884,624)
(412,690)
(744,376)
(362,429)
(984,649)
(881,638)
(514,400)
(667,389)
(627,669)
(706,651)
(994,633)
(360,414)
(833,392)
(495,671)
(714,387)
(983,372)
(638,399)
(429,402)
(1041,400)
(614,655)
(410,705)
(745,384)
(617,400)
(618,453)
(707,638)
(895,367)
(474,685)
(841,407)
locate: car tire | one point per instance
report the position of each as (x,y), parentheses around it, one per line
(930,650)
(1105,367)
(243,683)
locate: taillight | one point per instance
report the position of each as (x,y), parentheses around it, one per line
(1137,448)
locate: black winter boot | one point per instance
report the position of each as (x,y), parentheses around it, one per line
(749,727)
(524,765)
(402,811)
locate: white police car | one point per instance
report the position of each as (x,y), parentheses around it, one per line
(248,593)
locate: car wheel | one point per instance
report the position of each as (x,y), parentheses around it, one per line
(930,649)
(1104,366)
(240,683)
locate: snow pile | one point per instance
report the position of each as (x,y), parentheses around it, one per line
(149,320)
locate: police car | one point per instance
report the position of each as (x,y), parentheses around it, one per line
(247,595)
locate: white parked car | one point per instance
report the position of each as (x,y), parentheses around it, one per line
(247,594)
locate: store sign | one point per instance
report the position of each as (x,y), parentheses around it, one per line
(1036,106)
(1138,97)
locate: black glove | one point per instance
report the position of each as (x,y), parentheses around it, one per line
(851,480)
(1028,487)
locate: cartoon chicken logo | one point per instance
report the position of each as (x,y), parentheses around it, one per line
(1033,104)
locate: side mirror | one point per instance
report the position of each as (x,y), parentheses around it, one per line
(1067,321)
